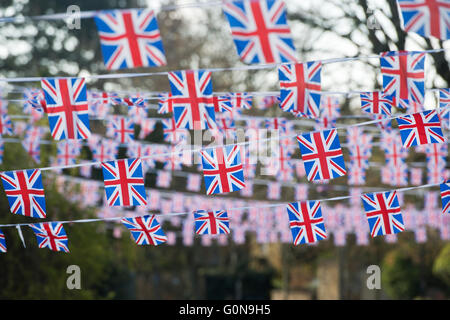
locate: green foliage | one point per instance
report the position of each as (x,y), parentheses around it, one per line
(441,266)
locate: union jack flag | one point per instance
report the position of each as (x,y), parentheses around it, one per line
(122,129)
(100,103)
(383,213)
(192,100)
(436,154)
(330,107)
(300,88)
(420,128)
(25,192)
(33,148)
(51,235)
(445,197)
(222,169)
(145,230)
(165,104)
(137,114)
(435,174)
(322,155)
(104,150)
(240,100)
(260,31)
(426,17)
(416,176)
(2,242)
(130,39)
(2,150)
(306,222)
(139,150)
(222,103)
(356,175)
(403,77)
(138,102)
(124,182)
(5,125)
(226,129)
(269,101)
(67,152)
(34,99)
(278,124)
(444,105)
(163,179)
(173,133)
(211,222)
(193,182)
(147,126)
(395,175)
(273,190)
(395,154)
(359,155)
(376,103)
(67,108)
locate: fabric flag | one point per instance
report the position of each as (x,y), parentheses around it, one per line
(2,150)
(359,155)
(322,155)
(130,39)
(51,235)
(436,154)
(383,213)
(194,182)
(104,151)
(416,176)
(435,174)
(67,108)
(248,190)
(444,105)
(139,150)
(268,101)
(124,182)
(403,76)
(193,106)
(145,230)
(137,114)
(163,179)
(420,128)
(25,192)
(211,222)
(395,175)
(260,31)
(306,222)
(100,104)
(67,152)
(426,17)
(300,88)
(222,104)
(273,190)
(172,132)
(395,154)
(2,242)
(376,103)
(5,125)
(122,129)
(33,148)
(137,102)
(222,169)
(165,103)
(147,127)
(445,197)
(240,100)
(356,175)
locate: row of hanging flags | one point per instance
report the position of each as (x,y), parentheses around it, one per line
(130,38)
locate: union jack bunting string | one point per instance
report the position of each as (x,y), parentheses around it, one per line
(420,128)
(2,242)
(322,155)
(426,17)
(383,213)
(403,77)
(124,182)
(222,169)
(145,230)
(130,39)
(122,129)
(240,100)
(445,197)
(67,108)
(51,235)
(211,222)
(306,222)
(260,31)
(300,88)
(193,106)
(222,104)
(25,192)
(376,103)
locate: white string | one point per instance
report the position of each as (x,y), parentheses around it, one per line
(19,231)
(240,68)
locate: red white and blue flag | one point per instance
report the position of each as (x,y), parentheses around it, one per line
(33,148)
(145,230)
(51,235)
(192,100)
(444,105)
(211,222)
(100,104)
(322,155)
(445,197)
(260,31)
(222,169)
(356,175)
(426,17)
(173,133)
(165,104)
(359,155)
(420,128)
(122,129)
(403,77)
(124,182)
(130,39)
(240,100)
(67,108)
(376,103)
(383,213)
(300,88)
(67,152)
(306,222)
(222,103)
(25,192)
(2,242)
(104,150)
(5,125)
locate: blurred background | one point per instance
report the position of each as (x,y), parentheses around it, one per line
(262,266)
